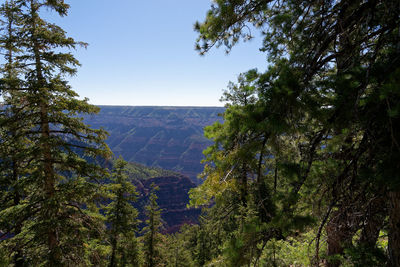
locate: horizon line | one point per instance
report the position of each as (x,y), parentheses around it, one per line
(153,106)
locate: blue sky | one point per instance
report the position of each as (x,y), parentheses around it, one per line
(142,53)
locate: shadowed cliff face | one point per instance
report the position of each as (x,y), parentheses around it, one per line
(166,137)
(172,200)
(173,189)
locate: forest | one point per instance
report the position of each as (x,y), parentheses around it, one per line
(303,168)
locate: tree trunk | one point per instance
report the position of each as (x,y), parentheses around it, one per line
(18,256)
(394,228)
(151,243)
(114,249)
(48,170)
(340,231)
(334,244)
(373,223)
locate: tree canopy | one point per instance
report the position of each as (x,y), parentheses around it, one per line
(315,137)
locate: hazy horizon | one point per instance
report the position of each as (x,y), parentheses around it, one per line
(161,106)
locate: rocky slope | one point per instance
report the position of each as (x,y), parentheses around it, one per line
(166,137)
(172,199)
(172,195)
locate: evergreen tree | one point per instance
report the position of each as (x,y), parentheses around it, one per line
(323,121)
(62,150)
(121,217)
(151,232)
(14,154)
(179,249)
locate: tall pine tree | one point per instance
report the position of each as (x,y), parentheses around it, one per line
(62,173)
(122,217)
(151,232)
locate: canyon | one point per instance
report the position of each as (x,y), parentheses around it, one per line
(170,138)
(163,145)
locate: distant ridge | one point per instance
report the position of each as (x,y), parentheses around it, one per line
(167,107)
(158,136)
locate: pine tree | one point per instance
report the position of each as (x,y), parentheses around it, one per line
(62,150)
(121,217)
(15,157)
(178,250)
(151,232)
(327,111)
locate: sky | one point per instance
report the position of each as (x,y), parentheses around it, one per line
(141,53)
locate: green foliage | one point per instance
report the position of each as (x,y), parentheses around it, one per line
(121,217)
(152,239)
(138,171)
(178,250)
(294,251)
(97,252)
(49,171)
(4,259)
(365,256)
(303,169)
(314,136)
